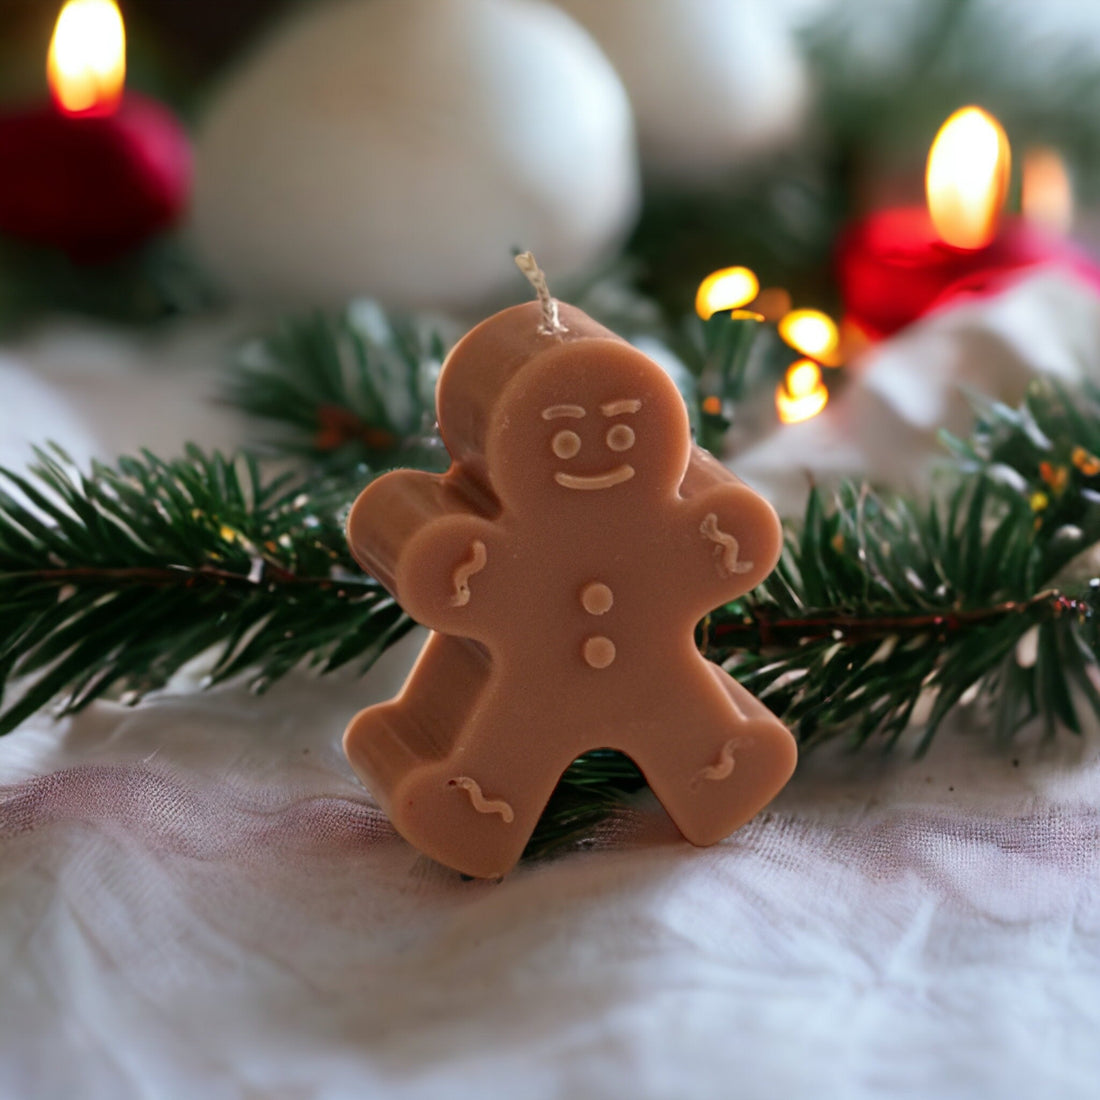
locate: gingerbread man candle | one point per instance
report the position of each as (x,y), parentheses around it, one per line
(562,563)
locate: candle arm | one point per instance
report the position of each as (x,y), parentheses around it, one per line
(735,535)
(421,537)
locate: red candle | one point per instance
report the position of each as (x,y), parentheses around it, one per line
(900,263)
(893,267)
(96,172)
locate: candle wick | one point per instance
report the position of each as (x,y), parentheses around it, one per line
(551,322)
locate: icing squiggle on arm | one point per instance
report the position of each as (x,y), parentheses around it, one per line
(465,570)
(479,802)
(726,547)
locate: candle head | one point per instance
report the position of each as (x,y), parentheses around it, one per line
(591,424)
(551,316)
(528,415)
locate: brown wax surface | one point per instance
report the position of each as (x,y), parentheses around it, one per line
(562,562)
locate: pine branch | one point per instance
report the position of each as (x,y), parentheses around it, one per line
(159,280)
(880,612)
(349,393)
(991,595)
(113,582)
(879,608)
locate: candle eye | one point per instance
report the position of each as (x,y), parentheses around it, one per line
(566,444)
(620,437)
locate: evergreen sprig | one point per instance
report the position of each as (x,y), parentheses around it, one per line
(882,615)
(345,391)
(880,608)
(112,582)
(157,281)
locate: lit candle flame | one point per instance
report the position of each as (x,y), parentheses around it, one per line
(1046,193)
(967,178)
(86,65)
(730,288)
(812,333)
(802,394)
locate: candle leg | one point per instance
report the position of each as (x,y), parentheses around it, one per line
(724,757)
(385,742)
(462,774)
(476,810)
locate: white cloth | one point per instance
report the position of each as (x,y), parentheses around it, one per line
(197,898)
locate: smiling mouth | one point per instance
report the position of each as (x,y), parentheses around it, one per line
(596,481)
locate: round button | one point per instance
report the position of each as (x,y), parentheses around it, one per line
(597,598)
(599,651)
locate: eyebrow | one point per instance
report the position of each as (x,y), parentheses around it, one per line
(554,411)
(626,405)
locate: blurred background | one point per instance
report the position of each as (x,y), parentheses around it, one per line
(400,149)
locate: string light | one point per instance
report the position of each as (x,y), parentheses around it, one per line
(1046,192)
(813,334)
(802,394)
(729,288)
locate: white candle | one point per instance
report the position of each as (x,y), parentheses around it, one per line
(713,84)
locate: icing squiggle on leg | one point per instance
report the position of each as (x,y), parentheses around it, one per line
(724,768)
(465,570)
(479,802)
(726,548)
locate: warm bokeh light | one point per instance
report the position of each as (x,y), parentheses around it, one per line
(967,178)
(812,333)
(854,339)
(802,393)
(86,65)
(1046,192)
(730,288)
(774,302)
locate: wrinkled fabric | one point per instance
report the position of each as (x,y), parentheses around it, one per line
(198,898)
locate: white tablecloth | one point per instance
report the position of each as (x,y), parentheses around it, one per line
(197,898)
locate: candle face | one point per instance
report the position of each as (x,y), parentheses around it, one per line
(563,562)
